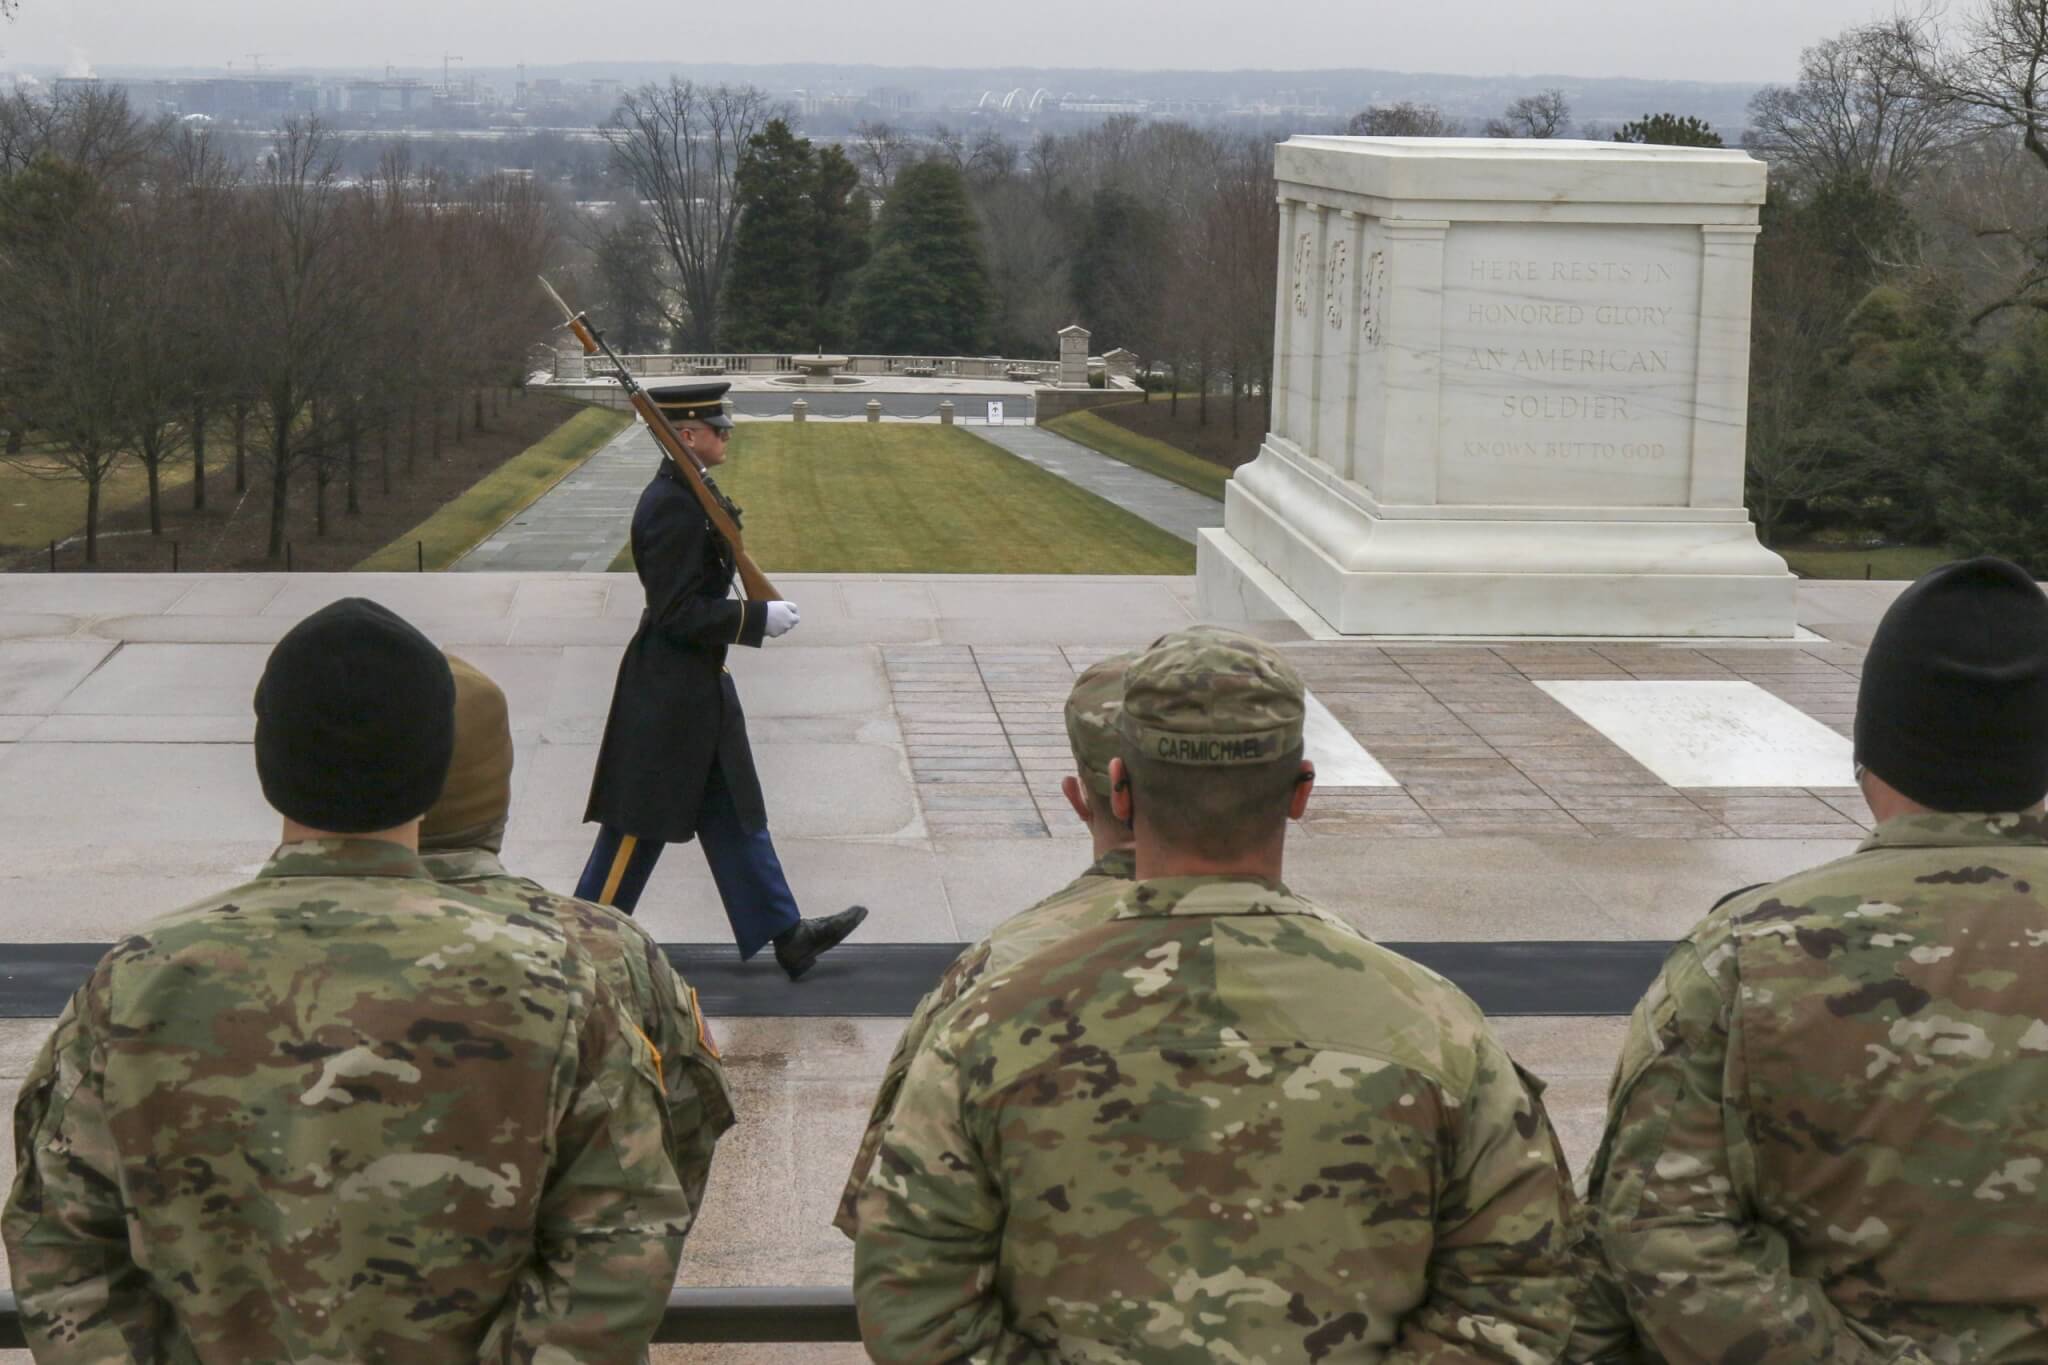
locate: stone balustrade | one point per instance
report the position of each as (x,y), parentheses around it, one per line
(570,366)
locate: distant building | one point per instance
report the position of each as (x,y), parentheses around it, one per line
(894,99)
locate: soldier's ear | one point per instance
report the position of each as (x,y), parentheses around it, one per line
(1122,802)
(1304,783)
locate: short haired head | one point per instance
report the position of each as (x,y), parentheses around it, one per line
(355,720)
(1953,707)
(1211,732)
(477,796)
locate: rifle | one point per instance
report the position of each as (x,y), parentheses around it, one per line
(754,584)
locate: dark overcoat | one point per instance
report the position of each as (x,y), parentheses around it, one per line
(674,710)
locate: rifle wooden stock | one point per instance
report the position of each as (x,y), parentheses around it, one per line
(754,584)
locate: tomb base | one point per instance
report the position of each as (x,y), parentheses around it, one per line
(1295,535)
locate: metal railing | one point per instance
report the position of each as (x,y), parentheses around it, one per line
(761,1314)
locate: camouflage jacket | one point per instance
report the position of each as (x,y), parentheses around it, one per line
(1825,1139)
(657,1003)
(1072,906)
(342,1113)
(1219,1125)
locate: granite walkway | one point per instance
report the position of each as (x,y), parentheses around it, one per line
(580,523)
(1162,502)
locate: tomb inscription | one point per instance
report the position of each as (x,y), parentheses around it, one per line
(1568,358)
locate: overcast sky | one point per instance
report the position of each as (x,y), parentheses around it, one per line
(1716,40)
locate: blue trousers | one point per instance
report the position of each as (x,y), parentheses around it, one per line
(758,903)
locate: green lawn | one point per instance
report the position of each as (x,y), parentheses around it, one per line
(891,498)
(1896,561)
(41,501)
(1142,452)
(459,526)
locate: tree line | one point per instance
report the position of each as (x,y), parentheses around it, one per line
(160,295)
(1158,237)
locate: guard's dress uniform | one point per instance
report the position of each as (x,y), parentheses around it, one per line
(675,763)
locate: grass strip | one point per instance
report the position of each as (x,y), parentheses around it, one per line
(1142,452)
(1888,562)
(895,498)
(467,521)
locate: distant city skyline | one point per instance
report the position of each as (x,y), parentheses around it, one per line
(1728,40)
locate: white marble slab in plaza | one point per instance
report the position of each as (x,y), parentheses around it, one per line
(1711,734)
(1341,761)
(1510,396)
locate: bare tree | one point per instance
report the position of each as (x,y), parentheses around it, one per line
(680,146)
(61,326)
(1405,119)
(299,310)
(1861,108)
(880,150)
(1545,114)
(91,127)
(1992,71)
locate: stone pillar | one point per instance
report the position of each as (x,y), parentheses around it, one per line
(1120,364)
(946,413)
(799,410)
(874,409)
(1074,357)
(1510,397)
(1720,415)
(571,364)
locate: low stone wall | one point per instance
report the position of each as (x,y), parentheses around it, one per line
(1059,402)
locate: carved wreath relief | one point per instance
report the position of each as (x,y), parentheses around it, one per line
(1374,290)
(1304,256)
(1336,279)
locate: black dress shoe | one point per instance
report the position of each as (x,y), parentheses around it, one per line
(797,949)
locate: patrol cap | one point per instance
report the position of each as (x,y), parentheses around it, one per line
(1092,709)
(477,795)
(693,403)
(1211,697)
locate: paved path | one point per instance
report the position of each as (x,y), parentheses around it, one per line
(583,521)
(1162,502)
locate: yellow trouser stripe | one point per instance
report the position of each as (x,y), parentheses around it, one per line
(619,861)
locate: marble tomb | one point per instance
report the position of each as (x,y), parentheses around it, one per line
(1509,397)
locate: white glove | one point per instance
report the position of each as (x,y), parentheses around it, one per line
(782,618)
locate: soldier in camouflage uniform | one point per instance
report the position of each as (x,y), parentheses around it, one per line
(343,1113)
(1827,1134)
(1221,1125)
(460,839)
(1091,711)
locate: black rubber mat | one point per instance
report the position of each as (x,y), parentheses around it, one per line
(884,980)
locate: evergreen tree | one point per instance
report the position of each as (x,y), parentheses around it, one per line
(1894,399)
(1997,491)
(1119,272)
(926,290)
(1669,130)
(770,299)
(840,234)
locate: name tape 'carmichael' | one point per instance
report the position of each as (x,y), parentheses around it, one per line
(1238,749)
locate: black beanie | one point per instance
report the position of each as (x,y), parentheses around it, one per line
(1954,705)
(355,720)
